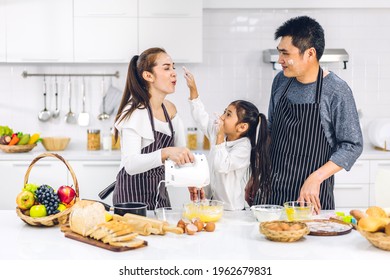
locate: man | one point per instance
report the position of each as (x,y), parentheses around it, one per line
(314,124)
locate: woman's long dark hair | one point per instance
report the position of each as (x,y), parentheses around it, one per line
(260,162)
(136,91)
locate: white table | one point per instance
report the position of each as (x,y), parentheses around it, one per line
(236,238)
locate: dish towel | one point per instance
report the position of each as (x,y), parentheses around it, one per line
(112,100)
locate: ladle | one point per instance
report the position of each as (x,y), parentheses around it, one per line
(56,112)
(70,116)
(45,114)
(103,116)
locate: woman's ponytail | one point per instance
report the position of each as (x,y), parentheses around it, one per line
(136,92)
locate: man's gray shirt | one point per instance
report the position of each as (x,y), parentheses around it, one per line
(339,117)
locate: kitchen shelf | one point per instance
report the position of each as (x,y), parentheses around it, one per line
(25,74)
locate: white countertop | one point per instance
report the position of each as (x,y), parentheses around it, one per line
(236,238)
(77,151)
(73,152)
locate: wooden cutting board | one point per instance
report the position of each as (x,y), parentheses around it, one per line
(328,227)
(72,235)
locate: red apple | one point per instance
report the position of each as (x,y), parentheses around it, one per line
(66,194)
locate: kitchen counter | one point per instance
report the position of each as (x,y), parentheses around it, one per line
(236,238)
(76,151)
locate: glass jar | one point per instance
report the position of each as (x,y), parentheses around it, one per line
(192,138)
(116,145)
(93,143)
(206,143)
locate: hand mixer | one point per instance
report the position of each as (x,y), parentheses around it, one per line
(190,174)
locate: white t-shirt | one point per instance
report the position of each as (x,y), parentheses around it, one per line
(136,133)
(229,162)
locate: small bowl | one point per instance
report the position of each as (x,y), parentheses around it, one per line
(206,210)
(298,210)
(266,212)
(55,143)
(168,214)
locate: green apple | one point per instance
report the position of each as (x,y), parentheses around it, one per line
(38,211)
(31,187)
(61,207)
(25,200)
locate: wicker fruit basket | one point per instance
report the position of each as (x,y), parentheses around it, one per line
(59,218)
(17,148)
(282,231)
(379,239)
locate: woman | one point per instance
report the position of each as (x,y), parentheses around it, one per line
(150,130)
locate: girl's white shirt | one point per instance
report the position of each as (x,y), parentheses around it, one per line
(136,133)
(229,162)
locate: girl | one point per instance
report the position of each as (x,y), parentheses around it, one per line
(239,164)
(149,128)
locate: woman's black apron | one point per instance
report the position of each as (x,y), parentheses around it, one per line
(142,187)
(299,147)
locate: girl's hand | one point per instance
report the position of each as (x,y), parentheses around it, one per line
(191,83)
(220,131)
(194,193)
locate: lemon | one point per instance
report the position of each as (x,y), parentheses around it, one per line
(107,216)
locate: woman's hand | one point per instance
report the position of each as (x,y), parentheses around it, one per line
(310,192)
(194,193)
(179,155)
(191,83)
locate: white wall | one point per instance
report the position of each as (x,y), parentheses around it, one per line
(232,68)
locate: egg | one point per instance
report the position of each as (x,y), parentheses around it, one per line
(210,226)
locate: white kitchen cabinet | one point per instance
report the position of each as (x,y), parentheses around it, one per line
(352,189)
(116,8)
(105,31)
(39,31)
(380,182)
(105,39)
(52,173)
(170,8)
(94,176)
(175,25)
(2,32)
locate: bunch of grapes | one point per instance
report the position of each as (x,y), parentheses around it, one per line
(46,196)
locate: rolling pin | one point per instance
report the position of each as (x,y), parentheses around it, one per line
(162,227)
(142,228)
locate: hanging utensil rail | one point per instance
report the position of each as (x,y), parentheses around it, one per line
(25,75)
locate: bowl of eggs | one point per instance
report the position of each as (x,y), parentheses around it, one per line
(206,210)
(298,210)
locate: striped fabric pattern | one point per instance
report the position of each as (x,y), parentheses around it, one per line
(299,147)
(142,187)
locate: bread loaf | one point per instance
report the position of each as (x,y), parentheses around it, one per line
(376,211)
(85,216)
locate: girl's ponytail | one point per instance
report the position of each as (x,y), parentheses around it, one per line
(259,183)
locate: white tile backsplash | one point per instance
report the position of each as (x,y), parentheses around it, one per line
(232,69)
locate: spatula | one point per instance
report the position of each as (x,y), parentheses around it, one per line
(83,119)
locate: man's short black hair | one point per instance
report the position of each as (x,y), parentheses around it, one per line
(305,32)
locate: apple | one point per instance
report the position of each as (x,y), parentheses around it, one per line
(66,194)
(25,200)
(37,211)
